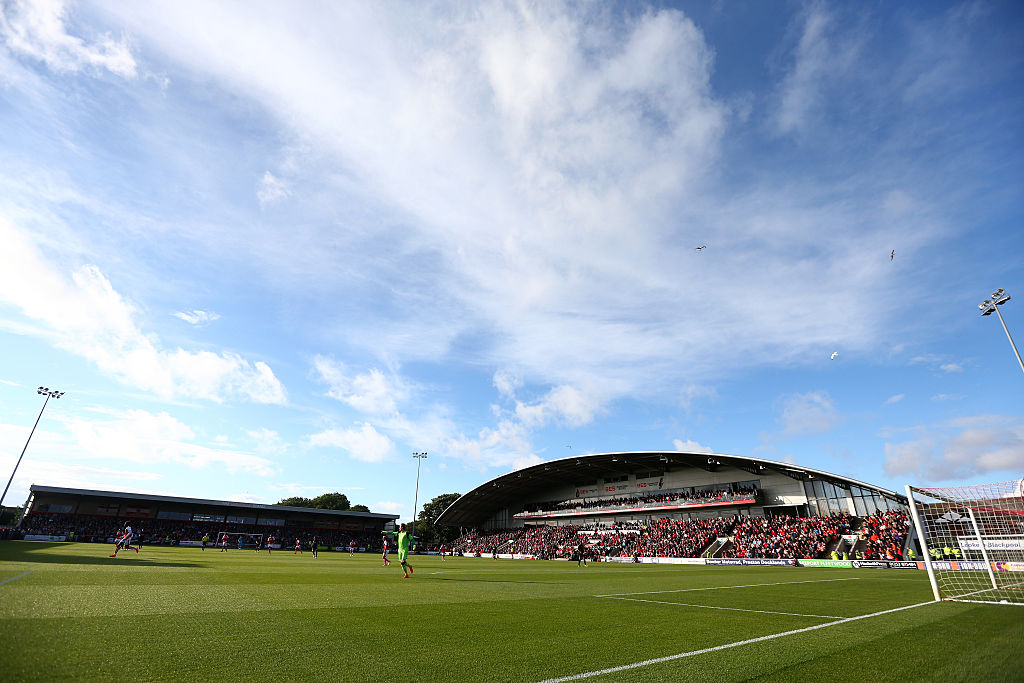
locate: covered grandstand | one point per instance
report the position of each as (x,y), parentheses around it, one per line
(83,514)
(682,507)
(642,486)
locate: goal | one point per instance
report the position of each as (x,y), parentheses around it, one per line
(972,540)
(249,541)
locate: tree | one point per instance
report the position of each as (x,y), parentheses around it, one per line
(427,532)
(359,508)
(295,502)
(331,501)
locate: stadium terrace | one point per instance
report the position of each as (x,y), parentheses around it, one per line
(54,513)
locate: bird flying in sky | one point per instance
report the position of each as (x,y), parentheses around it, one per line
(703,246)
(892,254)
(833,356)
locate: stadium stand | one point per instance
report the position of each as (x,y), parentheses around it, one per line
(750,537)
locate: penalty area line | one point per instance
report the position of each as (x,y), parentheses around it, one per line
(660,660)
(718,588)
(16,577)
(731,609)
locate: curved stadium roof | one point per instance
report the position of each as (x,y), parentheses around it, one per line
(512,488)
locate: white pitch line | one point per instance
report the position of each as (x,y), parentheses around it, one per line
(715,588)
(660,660)
(16,577)
(731,609)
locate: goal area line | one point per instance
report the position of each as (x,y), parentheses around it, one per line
(717,648)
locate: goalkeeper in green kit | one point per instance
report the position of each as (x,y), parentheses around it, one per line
(403,540)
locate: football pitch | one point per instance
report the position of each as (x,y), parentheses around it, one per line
(69,611)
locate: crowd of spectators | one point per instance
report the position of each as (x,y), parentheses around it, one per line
(788,537)
(883,535)
(662,538)
(680,497)
(171,532)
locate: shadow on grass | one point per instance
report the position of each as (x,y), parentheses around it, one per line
(545,583)
(50,553)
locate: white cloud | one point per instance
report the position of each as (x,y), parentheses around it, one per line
(951,367)
(144,437)
(271,189)
(38,29)
(388,506)
(197,317)
(86,316)
(373,392)
(73,475)
(268,441)
(821,54)
(690,446)
(692,392)
(540,174)
(960,450)
(563,404)
(507,382)
(361,443)
(245,498)
(895,398)
(810,413)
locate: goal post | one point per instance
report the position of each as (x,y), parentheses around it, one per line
(972,540)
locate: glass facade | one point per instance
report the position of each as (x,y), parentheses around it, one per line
(824,498)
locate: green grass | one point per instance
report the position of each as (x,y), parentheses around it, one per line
(185,614)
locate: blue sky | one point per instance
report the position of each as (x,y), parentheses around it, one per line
(272,249)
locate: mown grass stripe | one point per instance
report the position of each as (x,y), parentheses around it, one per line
(717,588)
(16,577)
(733,609)
(670,658)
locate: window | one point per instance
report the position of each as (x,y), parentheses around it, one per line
(54,507)
(240,520)
(170,514)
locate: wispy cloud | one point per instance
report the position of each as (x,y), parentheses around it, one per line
(87,316)
(821,56)
(810,413)
(362,442)
(895,398)
(373,392)
(197,317)
(961,449)
(153,438)
(690,446)
(271,189)
(38,29)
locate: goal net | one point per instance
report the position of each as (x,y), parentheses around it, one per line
(236,540)
(972,540)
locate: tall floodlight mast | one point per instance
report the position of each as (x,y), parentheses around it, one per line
(420,457)
(990,306)
(42,391)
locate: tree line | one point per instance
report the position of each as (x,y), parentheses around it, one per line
(325,501)
(428,533)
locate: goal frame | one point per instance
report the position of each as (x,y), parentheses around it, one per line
(965,503)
